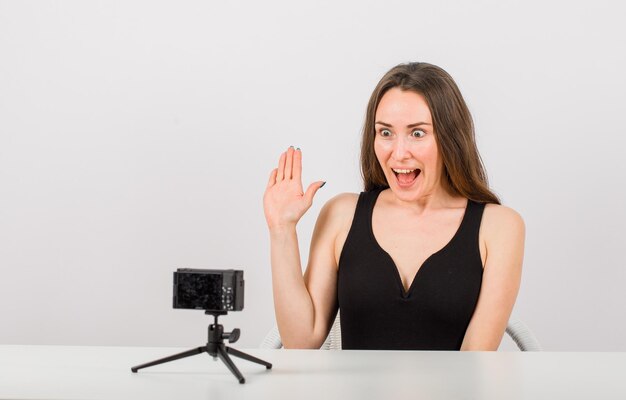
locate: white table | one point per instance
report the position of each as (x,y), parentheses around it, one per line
(73,372)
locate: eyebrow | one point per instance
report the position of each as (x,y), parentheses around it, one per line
(408,126)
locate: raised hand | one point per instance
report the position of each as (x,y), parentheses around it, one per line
(284,202)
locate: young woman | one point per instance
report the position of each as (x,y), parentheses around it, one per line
(425,258)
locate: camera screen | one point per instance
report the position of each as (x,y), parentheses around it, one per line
(199,291)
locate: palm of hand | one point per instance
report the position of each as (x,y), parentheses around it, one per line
(284,201)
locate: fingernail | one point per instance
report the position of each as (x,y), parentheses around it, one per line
(322,185)
(291,147)
(297,148)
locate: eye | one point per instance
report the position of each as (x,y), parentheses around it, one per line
(418,133)
(385,132)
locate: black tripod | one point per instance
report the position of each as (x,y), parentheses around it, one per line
(216,348)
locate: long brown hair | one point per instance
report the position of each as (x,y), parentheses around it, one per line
(463,170)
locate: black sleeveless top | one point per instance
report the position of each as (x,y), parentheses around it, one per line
(377,313)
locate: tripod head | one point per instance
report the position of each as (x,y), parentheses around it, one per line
(216,330)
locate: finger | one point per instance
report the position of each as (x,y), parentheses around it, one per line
(312,189)
(297,165)
(272,180)
(281,168)
(289,163)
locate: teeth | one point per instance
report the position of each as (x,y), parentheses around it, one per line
(403,171)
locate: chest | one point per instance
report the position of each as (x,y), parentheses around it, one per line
(411,240)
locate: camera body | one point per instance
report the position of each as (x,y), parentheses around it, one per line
(212,290)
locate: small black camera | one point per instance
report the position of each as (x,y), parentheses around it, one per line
(212,290)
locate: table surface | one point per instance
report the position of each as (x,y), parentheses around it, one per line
(91,372)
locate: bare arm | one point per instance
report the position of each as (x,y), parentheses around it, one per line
(504,236)
(303,305)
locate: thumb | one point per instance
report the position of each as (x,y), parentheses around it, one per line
(312,189)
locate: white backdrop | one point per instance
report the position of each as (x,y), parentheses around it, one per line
(136,137)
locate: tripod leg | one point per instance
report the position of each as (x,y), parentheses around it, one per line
(223,355)
(248,357)
(178,356)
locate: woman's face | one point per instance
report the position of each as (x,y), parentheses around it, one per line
(405,145)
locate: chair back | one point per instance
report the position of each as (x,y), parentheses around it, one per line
(522,336)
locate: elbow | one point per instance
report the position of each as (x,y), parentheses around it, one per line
(484,347)
(300,345)
(483,344)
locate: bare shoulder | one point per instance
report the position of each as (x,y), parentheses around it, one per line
(342,203)
(339,210)
(502,222)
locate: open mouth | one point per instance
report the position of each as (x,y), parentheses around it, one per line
(406,177)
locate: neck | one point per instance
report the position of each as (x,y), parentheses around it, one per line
(437,200)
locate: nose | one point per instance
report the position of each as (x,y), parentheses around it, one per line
(400,149)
